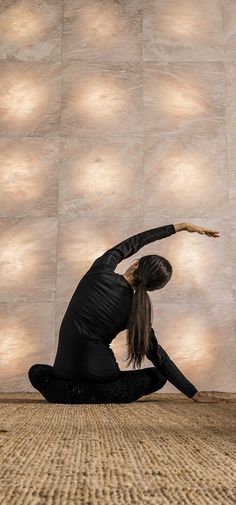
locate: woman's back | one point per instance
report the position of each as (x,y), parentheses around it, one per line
(98,310)
(103,301)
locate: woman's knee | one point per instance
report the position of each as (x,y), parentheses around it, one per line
(162,379)
(159,379)
(38,373)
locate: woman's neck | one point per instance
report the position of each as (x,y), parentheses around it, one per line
(128,278)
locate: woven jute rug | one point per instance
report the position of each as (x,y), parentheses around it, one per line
(162,449)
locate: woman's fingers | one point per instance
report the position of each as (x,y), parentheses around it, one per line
(203,231)
(207,231)
(207,398)
(210,233)
(221,400)
(210,399)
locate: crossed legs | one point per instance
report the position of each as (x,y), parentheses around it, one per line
(128,387)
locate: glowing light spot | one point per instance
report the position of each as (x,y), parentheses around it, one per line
(101,99)
(186,176)
(18,178)
(96,172)
(11,334)
(20,24)
(185,101)
(98,24)
(186,21)
(196,345)
(197,261)
(14,331)
(19,258)
(22,99)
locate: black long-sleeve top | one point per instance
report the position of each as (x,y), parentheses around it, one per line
(103,299)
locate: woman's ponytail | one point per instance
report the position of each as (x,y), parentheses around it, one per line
(153,272)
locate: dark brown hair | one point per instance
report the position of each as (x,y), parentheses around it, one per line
(152,272)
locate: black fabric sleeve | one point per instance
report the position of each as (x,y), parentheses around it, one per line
(131,245)
(159,357)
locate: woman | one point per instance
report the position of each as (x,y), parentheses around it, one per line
(104,303)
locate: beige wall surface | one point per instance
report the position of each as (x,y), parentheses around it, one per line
(116,117)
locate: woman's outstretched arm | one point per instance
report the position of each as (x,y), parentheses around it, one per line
(159,357)
(131,245)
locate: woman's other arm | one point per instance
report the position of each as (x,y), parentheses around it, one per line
(159,357)
(168,368)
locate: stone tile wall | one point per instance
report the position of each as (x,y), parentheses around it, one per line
(118,116)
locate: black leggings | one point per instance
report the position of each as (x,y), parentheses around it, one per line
(128,387)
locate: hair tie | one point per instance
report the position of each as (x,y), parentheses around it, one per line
(140,283)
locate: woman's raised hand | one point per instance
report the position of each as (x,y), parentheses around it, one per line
(200,229)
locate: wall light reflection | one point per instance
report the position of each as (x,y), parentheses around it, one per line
(19,258)
(19,179)
(186,20)
(96,173)
(198,261)
(184,99)
(186,177)
(96,24)
(100,99)
(196,344)
(21,24)
(23,98)
(12,354)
